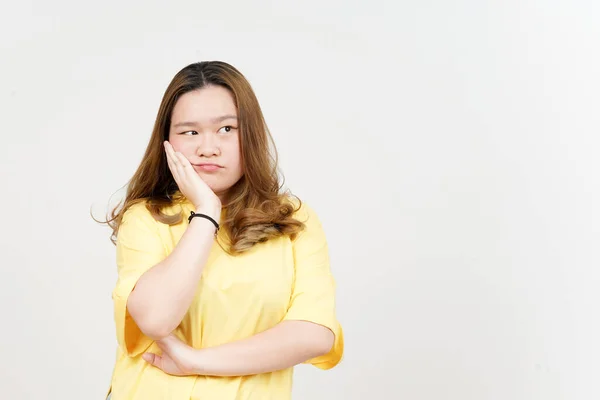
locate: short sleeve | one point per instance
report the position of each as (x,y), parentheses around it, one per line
(139,248)
(313,293)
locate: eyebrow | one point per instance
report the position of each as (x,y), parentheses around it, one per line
(213,120)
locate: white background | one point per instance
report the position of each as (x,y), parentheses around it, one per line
(449,147)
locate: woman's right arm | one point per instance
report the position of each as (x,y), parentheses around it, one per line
(163,294)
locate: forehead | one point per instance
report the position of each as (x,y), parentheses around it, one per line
(204,104)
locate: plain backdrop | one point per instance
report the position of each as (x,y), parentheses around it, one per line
(450,148)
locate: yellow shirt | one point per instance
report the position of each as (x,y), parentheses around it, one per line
(237,297)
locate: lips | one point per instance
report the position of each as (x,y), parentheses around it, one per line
(207,167)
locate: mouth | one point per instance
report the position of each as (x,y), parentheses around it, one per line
(207,167)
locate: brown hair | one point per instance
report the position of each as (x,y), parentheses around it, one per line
(256,209)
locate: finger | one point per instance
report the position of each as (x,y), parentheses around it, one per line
(183,166)
(183,161)
(170,160)
(153,359)
(171,153)
(179,168)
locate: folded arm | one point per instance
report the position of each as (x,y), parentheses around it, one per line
(283,346)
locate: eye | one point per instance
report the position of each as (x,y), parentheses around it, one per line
(227,129)
(190,132)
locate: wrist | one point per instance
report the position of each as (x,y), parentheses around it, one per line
(202,362)
(213,211)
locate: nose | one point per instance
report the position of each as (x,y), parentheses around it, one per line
(208,146)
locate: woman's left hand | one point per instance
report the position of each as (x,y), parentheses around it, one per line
(177,358)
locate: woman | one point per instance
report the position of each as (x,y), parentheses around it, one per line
(223,280)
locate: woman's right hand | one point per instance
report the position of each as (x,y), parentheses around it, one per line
(190,184)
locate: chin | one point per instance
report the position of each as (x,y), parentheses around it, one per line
(218,184)
(218,189)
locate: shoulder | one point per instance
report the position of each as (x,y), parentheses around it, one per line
(137,211)
(140,211)
(306,214)
(137,216)
(303,211)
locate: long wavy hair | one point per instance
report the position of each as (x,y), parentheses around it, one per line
(256,209)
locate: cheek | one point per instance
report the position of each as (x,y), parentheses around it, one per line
(240,166)
(232,152)
(181,146)
(175,142)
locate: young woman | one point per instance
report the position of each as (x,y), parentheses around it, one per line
(224,282)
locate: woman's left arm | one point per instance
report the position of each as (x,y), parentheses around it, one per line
(285,345)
